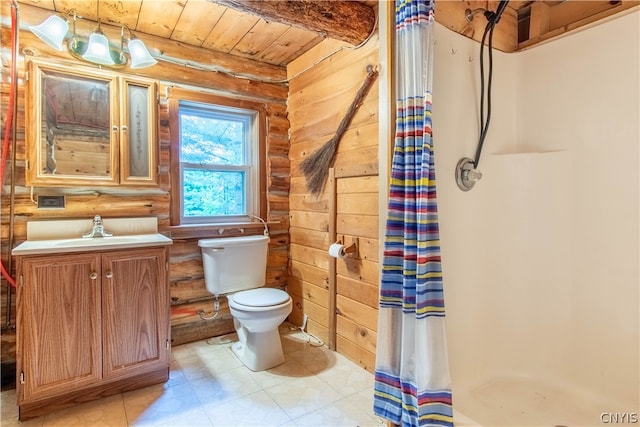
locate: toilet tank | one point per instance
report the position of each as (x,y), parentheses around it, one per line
(233,264)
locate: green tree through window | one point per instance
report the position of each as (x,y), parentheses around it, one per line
(215,162)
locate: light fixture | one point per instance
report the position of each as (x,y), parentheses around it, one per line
(140,56)
(53,30)
(96,49)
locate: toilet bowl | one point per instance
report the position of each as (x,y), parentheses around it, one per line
(257,311)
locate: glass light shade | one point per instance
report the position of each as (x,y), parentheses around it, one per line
(98,50)
(140,56)
(52,31)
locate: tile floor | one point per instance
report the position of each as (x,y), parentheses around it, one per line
(209,386)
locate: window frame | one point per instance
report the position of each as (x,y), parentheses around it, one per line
(258,195)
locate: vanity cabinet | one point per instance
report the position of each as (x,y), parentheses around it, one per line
(90,324)
(89,127)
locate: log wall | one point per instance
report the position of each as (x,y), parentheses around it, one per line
(301,118)
(188,294)
(321,91)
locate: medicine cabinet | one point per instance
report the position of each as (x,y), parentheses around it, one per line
(89,127)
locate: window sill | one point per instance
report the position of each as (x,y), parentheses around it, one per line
(193,231)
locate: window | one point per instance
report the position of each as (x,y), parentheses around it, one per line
(215,161)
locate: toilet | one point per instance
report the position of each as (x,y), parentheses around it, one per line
(236,267)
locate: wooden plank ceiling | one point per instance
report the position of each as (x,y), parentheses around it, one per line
(526,23)
(201,23)
(229,26)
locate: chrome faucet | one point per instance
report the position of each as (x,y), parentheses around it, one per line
(98,229)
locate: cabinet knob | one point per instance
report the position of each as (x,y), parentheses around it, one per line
(124,128)
(109,274)
(115,128)
(93,275)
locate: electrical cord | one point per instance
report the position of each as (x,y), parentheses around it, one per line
(309,336)
(492,19)
(9,127)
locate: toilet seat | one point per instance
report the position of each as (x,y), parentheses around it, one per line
(259,298)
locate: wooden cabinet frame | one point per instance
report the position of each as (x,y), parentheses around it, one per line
(64,326)
(90,325)
(138,140)
(104,135)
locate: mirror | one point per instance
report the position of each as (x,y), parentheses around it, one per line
(75,138)
(138,152)
(89,127)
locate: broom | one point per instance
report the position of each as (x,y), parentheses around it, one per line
(316,167)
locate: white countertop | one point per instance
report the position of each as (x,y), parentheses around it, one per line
(58,236)
(35,247)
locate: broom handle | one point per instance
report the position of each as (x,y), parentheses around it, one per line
(362,92)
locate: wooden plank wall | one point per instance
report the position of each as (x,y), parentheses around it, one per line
(358,276)
(188,294)
(320,94)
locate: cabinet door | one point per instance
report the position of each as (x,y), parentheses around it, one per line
(135,311)
(138,129)
(71,133)
(60,324)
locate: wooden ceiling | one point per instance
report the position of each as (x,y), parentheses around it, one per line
(227,26)
(527,23)
(542,20)
(200,23)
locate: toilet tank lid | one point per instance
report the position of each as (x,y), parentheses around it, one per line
(261,297)
(231,241)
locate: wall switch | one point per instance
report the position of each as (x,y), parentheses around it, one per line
(50,202)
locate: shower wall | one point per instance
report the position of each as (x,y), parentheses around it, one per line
(541,258)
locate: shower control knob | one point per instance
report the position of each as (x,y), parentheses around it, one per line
(466,174)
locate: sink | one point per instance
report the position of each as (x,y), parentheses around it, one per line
(96,241)
(34,247)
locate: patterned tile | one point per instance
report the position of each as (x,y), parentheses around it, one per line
(302,395)
(209,386)
(289,370)
(159,405)
(225,386)
(341,413)
(316,359)
(257,409)
(105,412)
(346,377)
(8,407)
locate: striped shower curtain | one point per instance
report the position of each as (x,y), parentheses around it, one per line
(412,383)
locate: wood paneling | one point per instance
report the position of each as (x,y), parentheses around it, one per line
(526,23)
(320,94)
(324,74)
(205,24)
(277,32)
(546,23)
(187,291)
(452,15)
(221,62)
